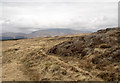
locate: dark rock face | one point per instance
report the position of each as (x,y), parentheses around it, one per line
(103,45)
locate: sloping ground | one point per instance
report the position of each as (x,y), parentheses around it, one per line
(26,59)
(100,50)
(65,58)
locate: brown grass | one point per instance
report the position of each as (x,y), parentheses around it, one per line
(31,58)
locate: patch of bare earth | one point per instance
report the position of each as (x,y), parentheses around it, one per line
(12,72)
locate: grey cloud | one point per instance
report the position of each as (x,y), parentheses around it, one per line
(28,16)
(60,1)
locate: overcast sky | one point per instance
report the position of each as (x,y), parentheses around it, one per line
(31,15)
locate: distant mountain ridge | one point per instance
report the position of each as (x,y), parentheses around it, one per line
(11,35)
(40,33)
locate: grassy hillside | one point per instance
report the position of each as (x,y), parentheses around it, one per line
(83,57)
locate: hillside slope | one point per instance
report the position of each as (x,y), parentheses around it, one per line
(84,57)
(100,50)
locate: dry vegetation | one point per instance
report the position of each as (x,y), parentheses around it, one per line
(85,57)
